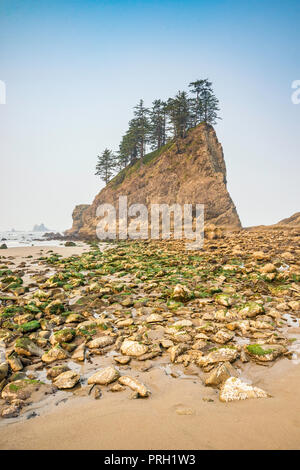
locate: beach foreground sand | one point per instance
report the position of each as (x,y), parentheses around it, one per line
(115,422)
(180,413)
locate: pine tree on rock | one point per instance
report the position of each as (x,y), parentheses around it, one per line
(141,128)
(179,114)
(128,148)
(165,120)
(158,119)
(205,105)
(105,165)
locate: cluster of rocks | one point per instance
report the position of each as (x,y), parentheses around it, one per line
(214,310)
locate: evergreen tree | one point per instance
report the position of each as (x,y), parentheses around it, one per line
(141,128)
(178,109)
(105,165)
(205,105)
(128,148)
(151,127)
(158,118)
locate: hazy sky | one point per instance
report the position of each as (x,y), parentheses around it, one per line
(74,70)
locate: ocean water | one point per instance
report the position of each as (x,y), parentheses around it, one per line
(18,238)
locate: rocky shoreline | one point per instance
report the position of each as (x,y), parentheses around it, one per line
(99,321)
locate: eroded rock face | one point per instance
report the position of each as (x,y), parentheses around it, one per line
(195,175)
(77,217)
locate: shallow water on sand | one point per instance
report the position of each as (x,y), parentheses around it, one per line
(19,238)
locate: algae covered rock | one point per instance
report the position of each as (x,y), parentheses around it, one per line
(74,318)
(26,347)
(22,389)
(70,244)
(54,354)
(63,336)
(30,326)
(264,352)
(251,309)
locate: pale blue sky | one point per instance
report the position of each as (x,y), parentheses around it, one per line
(74,70)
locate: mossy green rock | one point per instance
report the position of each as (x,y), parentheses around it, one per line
(265,352)
(251,309)
(63,336)
(70,244)
(26,347)
(23,389)
(55,354)
(30,326)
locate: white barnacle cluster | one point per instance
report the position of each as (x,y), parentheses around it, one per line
(235,389)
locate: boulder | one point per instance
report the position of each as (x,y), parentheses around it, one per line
(234,389)
(104,376)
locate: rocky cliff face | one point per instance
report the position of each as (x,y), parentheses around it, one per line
(77,218)
(191,172)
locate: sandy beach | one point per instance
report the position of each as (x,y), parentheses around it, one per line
(115,422)
(20,254)
(180,412)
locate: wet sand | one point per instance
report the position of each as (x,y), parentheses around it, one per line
(116,422)
(20,253)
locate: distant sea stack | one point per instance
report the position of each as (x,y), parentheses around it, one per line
(191,171)
(40,228)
